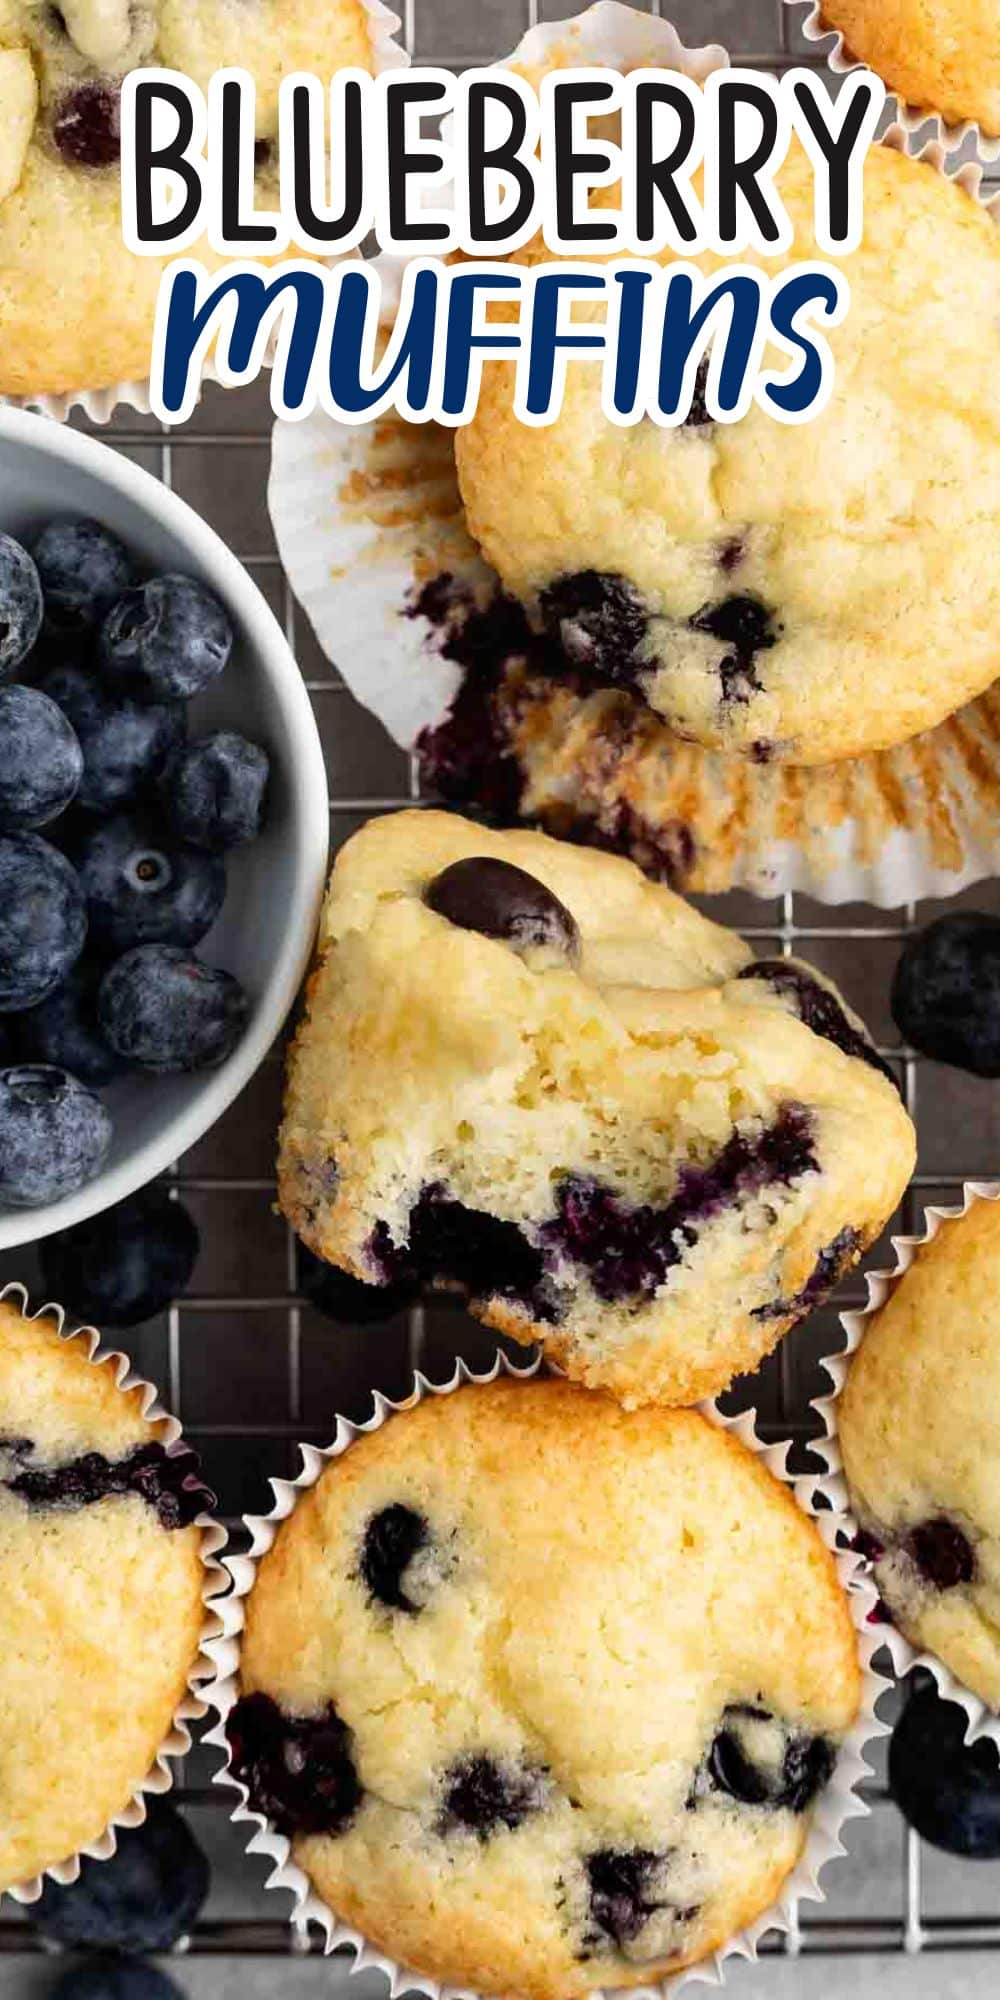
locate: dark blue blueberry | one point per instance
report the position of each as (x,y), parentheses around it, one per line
(54,1135)
(161,1008)
(145,889)
(142,1900)
(500,901)
(43,920)
(126,744)
(168,1482)
(20,605)
(942,1554)
(87,126)
(84,569)
(599,621)
(830,1266)
(115,1979)
(166,639)
(480,1795)
(620,1881)
(946,992)
(63,1029)
(41,762)
(345,1299)
(698,415)
(214,791)
(819,1008)
(119,1268)
(947,1789)
(746,627)
(806,1766)
(298,1769)
(462,1246)
(392,1538)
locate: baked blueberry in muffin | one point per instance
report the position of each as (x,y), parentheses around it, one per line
(920,1436)
(101,1584)
(531,1073)
(803,593)
(591,1752)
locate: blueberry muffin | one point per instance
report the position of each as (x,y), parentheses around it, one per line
(76,308)
(937,55)
(802,593)
(543,1693)
(101,1586)
(530,1072)
(920,1434)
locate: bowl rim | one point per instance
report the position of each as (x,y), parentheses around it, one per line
(309,830)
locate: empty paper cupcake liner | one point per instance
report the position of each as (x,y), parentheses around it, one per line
(100,405)
(177,1742)
(838,1804)
(911,118)
(982,1720)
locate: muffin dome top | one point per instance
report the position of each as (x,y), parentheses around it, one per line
(938,55)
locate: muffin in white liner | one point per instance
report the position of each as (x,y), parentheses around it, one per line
(836,1805)
(177,1741)
(100,405)
(982,1720)
(953,138)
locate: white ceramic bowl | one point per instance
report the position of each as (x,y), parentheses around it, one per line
(266,931)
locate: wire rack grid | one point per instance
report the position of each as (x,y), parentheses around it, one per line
(244,1344)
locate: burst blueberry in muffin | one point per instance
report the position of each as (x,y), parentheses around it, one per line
(101,1584)
(543,1694)
(937,55)
(529,1072)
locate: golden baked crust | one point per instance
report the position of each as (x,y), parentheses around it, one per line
(867,536)
(102,1607)
(76,307)
(601,1588)
(565,1104)
(937,55)
(920,1436)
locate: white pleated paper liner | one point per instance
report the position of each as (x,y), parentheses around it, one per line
(913,119)
(982,1720)
(177,1741)
(100,405)
(838,1804)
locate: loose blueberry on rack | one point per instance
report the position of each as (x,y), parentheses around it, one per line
(348,1300)
(144,889)
(500,901)
(166,639)
(115,1979)
(43,920)
(20,605)
(63,1029)
(482,1794)
(54,1135)
(41,762)
(83,569)
(214,793)
(946,992)
(125,743)
(87,126)
(142,1900)
(948,1789)
(161,1008)
(298,1769)
(119,1268)
(599,621)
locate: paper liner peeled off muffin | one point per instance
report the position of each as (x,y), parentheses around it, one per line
(99,404)
(833,1487)
(371,528)
(177,1740)
(913,117)
(839,1802)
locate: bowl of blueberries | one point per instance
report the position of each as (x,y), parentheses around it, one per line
(163,827)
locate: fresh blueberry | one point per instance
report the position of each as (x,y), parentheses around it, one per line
(599,621)
(946,992)
(163,1009)
(168,1482)
(126,744)
(142,1900)
(63,1029)
(166,639)
(84,569)
(949,1790)
(20,605)
(143,889)
(41,762)
(480,1795)
(391,1539)
(43,920)
(121,1267)
(500,901)
(214,791)
(115,1979)
(298,1769)
(87,126)
(942,1554)
(345,1299)
(54,1135)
